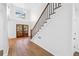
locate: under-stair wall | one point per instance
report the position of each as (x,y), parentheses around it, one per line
(56,34)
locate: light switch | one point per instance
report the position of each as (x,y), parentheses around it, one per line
(39,37)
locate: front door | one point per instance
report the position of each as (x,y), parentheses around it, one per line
(21,30)
(25,30)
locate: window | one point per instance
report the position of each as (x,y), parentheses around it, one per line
(20,13)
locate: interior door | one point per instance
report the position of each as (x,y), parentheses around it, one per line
(76,27)
(77,36)
(75,30)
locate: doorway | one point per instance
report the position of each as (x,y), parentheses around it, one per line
(75,30)
(21,30)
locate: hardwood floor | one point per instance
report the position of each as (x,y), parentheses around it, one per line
(24,47)
(76,53)
(1,52)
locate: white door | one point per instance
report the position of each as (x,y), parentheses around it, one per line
(77,35)
(76,27)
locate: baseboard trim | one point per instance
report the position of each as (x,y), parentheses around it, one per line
(12,38)
(6,53)
(42,47)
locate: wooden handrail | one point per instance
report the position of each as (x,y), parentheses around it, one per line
(41,15)
(45,15)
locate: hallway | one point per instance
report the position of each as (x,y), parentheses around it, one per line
(32,29)
(24,47)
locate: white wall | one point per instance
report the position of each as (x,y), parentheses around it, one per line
(12,27)
(12,13)
(13,20)
(1,26)
(3,29)
(36,11)
(75,28)
(76,43)
(56,35)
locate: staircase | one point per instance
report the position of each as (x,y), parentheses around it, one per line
(47,12)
